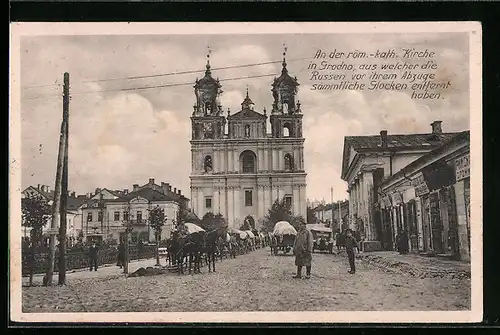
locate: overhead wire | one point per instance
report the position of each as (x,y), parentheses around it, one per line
(172,73)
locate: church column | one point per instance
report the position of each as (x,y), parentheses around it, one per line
(216,161)
(260,201)
(259,159)
(230,159)
(222,200)
(201,203)
(194,198)
(267,200)
(230,205)
(301,155)
(237,196)
(215,197)
(281,159)
(274,193)
(236,165)
(266,158)
(295,199)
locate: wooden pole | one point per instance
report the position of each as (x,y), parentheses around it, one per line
(54,225)
(64,186)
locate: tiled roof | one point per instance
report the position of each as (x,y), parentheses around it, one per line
(149,194)
(399,141)
(74,203)
(395,142)
(247,114)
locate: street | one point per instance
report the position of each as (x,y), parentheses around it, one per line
(253,282)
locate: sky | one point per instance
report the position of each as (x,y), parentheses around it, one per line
(121,138)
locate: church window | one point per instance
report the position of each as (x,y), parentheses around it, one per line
(208,203)
(247,130)
(139,216)
(288,162)
(117,216)
(248,198)
(208,108)
(207,164)
(287,130)
(248,161)
(99,216)
(288,201)
(89,217)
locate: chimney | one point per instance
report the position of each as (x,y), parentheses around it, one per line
(151,181)
(47,188)
(383,137)
(38,187)
(436,127)
(73,194)
(175,189)
(125,191)
(97,190)
(169,187)
(179,192)
(136,187)
(87,195)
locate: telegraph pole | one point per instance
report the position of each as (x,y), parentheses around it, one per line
(56,206)
(331,222)
(64,186)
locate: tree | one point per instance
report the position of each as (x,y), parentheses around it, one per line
(311,215)
(36,213)
(157,220)
(279,211)
(212,222)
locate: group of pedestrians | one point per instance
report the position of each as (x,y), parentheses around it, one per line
(303,248)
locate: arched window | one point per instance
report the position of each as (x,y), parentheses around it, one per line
(207,163)
(287,130)
(247,159)
(289,162)
(208,108)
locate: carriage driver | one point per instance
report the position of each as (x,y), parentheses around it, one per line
(302,250)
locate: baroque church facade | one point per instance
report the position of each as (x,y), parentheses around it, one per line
(238,168)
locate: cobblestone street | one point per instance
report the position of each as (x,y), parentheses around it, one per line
(253,282)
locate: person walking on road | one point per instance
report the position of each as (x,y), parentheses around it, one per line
(93,252)
(302,250)
(350,244)
(121,255)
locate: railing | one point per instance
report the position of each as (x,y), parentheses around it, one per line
(79,259)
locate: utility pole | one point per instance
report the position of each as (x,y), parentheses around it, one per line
(64,186)
(56,206)
(340,214)
(331,222)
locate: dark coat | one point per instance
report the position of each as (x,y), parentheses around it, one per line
(121,253)
(350,242)
(93,252)
(303,247)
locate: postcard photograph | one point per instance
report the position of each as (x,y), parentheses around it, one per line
(237,172)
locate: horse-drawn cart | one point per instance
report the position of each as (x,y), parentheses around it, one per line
(284,234)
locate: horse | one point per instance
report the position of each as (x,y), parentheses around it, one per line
(211,241)
(191,247)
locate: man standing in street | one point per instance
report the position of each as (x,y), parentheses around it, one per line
(93,252)
(302,250)
(350,244)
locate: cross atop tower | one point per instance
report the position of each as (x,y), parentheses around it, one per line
(209,51)
(285,49)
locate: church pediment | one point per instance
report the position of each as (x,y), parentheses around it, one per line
(247,114)
(139,200)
